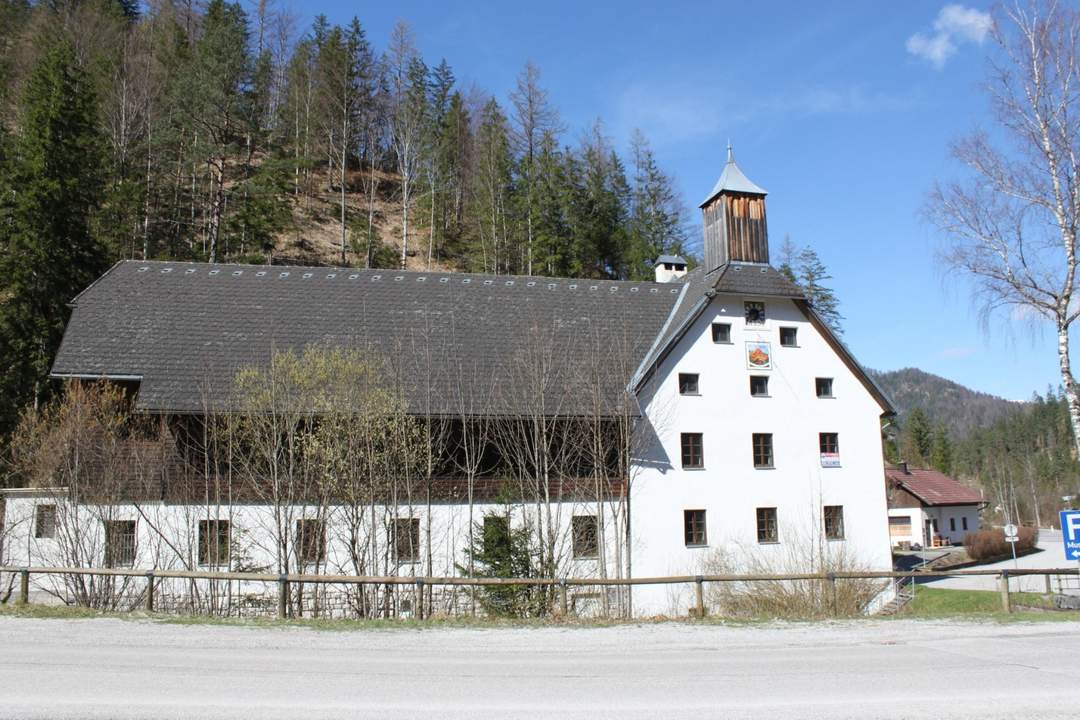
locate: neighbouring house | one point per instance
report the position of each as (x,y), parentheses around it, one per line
(928,508)
(733,424)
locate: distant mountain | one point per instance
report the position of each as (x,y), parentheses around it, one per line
(959,408)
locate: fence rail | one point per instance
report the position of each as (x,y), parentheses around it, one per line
(285,580)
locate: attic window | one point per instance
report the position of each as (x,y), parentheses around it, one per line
(353,276)
(789,337)
(488,282)
(531,283)
(189,271)
(331,276)
(260,273)
(307,275)
(755,312)
(759,385)
(399,278)
(823,386)
(143,269)
(214,272)
(283,275)
(166,270)
(237,273)
(721,333)
(444,280)
(421,279)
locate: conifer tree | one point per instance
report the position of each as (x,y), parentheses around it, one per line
(48,253)
(812,275)
(918,438)
(941,455)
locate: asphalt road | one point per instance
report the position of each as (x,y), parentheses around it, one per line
(106,668)
(1052,555)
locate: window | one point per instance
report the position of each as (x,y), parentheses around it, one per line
(766,525)
(829,444)
(824,387)
(585,536)
(755,312)
(213,542)
(763,451)
(119,543)
(721,332)
(688,384)
(45,521)
(692,456)
(406,539)
(496,536)
(694,528)
(963,523)
(952,524)
(789,336)
(834,522)
(310,541)
(759,385)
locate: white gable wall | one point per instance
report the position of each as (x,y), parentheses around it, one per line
(730,488)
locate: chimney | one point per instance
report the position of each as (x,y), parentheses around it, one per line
(734,220)
(903,467)
(669,268)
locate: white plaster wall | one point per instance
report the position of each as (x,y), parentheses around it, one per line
(729,488)
(167,537)
(915,518)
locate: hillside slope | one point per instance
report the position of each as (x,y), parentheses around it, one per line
(958,408)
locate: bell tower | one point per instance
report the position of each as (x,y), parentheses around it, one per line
(734,219)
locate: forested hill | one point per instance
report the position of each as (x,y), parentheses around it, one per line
(944,402)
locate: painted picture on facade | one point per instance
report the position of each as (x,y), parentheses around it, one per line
(758,356)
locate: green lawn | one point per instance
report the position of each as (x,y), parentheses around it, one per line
(932,602)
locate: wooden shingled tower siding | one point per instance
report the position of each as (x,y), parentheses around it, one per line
(734,220)
(736,230)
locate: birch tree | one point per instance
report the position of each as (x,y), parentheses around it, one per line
(1012,224)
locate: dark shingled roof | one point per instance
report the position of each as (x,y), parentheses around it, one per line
(933,487)
(464,341)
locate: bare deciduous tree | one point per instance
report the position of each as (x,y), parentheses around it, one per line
(1013,223)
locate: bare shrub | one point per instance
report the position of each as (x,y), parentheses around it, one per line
(990,543)
(788,599)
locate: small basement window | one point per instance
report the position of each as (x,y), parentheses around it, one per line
(406,539)
(119,543)
(754,312)
(823,386)
(45,522)
(585,536)
(213,542)
(692,451)
(721,333)
(834,522)
(688,384)
(759,385)
(789,337)
(767,531)
(763,450)
(310,541)
(694,528)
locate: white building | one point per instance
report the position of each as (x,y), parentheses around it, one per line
(930,509)
(756,434)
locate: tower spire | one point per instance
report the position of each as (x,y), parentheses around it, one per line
(734,219)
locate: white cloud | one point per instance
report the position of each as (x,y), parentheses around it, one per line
(954,24)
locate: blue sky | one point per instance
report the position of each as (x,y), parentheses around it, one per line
(829,107)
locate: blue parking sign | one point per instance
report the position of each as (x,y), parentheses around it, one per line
(1070,533)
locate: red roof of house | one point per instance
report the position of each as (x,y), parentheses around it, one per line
(933,487)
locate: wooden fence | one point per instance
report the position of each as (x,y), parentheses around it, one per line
(283,581)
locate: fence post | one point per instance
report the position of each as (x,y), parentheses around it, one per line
(418,599)
(564,603)
(24,586)
(1049,587)
(832,587)
(1006,603)
(699,591)
(283,597)
(150,591)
